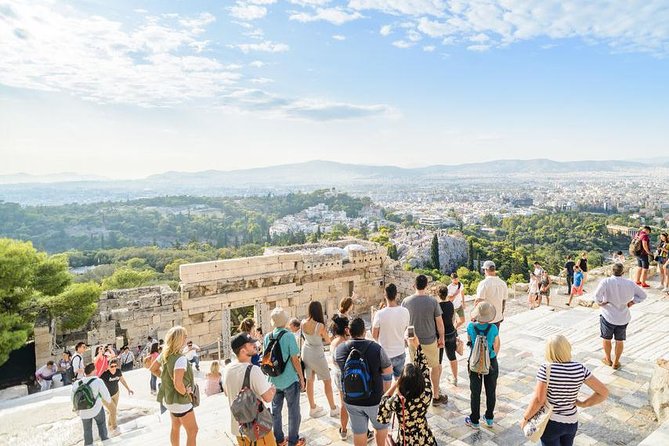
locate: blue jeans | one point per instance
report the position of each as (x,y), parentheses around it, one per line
(559,434)
(88,427)
(196,361)
(398,364)
(152,382)
(292,397)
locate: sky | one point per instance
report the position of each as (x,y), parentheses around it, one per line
(129,88)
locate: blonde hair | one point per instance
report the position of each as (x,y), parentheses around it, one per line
(558,349)
(174,341)
(215,368)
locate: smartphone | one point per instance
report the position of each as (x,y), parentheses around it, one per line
(411,332)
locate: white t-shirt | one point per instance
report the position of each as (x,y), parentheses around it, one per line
(78,363)
(99,390)
(493,290)
(180,364)
(392,322)
(452,290)
(233,378)
(190,354)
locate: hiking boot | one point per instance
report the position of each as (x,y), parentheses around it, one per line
(316,412)
(441,399)
(468,422)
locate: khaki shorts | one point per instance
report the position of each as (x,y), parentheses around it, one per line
(431,352)
(460,312)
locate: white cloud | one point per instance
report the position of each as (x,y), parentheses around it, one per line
(264,47)
(386,30)
(434,28)
(261,81)
(339,37)
(402,44)
(154,63)
(312,3)
(257,64)
(247,11)
(480,48)
(401,7)
(429,48)
(336,16)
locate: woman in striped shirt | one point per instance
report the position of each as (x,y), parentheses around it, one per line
(564,383)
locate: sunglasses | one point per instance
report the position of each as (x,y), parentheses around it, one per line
(113,366)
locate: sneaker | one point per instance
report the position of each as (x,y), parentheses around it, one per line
(665,289)
(441,399)
(645,285)
(488,422)
(334,413)
(468,422)
(370,436)
(343,435)
(453,380)
(316,412)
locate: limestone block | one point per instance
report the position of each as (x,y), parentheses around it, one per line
(11,393)
(121,314)
(658,391)
(199,329)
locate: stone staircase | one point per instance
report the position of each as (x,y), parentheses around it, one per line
(625,418)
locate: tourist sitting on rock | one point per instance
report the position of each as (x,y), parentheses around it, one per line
(213,380)
(177,385)
(558,382)
(190,351)
(44,375)
(313,355)
(483,367)
(409,399)
(236,374)
(615,295)
(91,409)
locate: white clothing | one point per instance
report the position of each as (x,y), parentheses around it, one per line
(78,363)
(493,290)
(99,390)
(613,294)
(233,378)
(458,293)
(46,372)
(190,354)
(392,323)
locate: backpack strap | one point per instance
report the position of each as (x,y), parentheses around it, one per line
(485,332)
(247,377)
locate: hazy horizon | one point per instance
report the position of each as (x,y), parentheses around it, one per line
(134,88)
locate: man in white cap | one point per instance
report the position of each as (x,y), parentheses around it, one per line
(493,290)
(288,383)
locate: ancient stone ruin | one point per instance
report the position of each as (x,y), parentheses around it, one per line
(212,292)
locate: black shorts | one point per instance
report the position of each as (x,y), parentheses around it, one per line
(610,331)
(643,261)
(449,346)
(183,414)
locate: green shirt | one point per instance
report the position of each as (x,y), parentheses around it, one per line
(289,348)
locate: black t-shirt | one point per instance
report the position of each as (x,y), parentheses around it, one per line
(111,381)
(570,267)
(447,311)
(583,264)
(375,358)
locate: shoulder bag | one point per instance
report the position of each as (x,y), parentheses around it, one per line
(536,425)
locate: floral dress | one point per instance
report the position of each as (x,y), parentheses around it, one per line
(416,431)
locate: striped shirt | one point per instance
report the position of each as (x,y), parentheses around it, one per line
(565,382)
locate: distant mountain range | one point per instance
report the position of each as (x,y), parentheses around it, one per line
(330,172)
(75,188)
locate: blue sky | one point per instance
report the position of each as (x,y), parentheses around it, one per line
(130,88)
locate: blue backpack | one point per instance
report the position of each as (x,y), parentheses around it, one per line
(356,381)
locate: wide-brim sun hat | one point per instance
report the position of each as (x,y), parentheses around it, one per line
(484,313)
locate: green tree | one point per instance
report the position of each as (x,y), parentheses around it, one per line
(434,252)
(75,306)
(28,278)
(125,277)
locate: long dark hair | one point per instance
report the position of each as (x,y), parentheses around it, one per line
(411,382)
(316,312)
(154,348)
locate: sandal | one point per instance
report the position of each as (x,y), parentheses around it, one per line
(605,362)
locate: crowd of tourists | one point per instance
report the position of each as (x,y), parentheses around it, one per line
(386,378)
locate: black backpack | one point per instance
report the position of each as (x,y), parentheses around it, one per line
(356,381)
(272,362)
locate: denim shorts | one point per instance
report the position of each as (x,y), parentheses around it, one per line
(609,331)
(361,415)
(643,261)
(398,364)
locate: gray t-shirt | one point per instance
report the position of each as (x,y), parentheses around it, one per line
(423,310)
